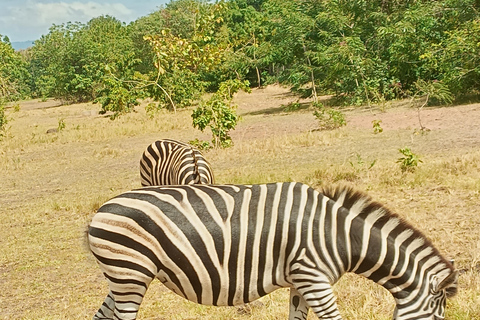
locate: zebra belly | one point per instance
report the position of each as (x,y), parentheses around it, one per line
(227,290)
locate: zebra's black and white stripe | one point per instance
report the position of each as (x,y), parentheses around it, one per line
(171,162)
(231,244)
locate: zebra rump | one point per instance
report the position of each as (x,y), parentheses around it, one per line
(171,162)
(231,244)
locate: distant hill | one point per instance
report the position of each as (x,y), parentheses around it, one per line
(20,45)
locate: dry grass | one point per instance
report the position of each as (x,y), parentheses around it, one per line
(51,185)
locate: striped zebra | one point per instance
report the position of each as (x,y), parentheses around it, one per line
(171,162)
(231,244)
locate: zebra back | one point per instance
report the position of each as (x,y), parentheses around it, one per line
(171,162)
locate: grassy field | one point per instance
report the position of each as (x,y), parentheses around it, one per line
(52,183)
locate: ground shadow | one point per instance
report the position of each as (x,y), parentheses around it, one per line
(288,108)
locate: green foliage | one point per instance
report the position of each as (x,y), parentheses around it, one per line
(361,51)
(433,90)
(3,119)
(61,124)
(69,63)
(219,114)
(292,106)
(367,51)
(456,58)
(54,62)
(183,59)
(247,31)
(117,98)
(329,118)
(377,128)
(117,95)
(409,161)
(14,76)
(359,164)
(199,144)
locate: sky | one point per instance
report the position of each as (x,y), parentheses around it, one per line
(28,20)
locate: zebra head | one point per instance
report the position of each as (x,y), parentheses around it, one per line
(429,303)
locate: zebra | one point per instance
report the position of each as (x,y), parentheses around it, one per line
(227,245)
(171,162)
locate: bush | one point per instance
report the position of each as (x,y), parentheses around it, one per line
(329,118)
(409,161)
(218,114)
(116,96)
(377,128)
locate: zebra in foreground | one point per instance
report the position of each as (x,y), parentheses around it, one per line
(231,244)
(171,162)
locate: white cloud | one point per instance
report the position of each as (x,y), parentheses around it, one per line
(78,11)
(29,20)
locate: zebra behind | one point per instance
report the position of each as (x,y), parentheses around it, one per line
(171,162)
(229,245)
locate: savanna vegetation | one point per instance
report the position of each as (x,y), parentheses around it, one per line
(361,51)
(182,72)
(52,183)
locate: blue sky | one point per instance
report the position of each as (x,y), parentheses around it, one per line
(24,20)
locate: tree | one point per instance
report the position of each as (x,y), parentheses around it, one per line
(14,78)
(70,62)
(14,75)
(219,114)
(246,32)
(362,51)
(52,64)
(183,64)
(459,59)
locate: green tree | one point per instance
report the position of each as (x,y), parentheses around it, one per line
(459,61)
(247,31)
(219,114)
(14,75)
(116,91)
(52,64)
(183,64)
(70,62)
(14,78)
(148,25)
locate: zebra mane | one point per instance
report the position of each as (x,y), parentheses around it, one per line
(352,199)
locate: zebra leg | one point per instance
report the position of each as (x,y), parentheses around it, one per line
(319,297)
(107,308)
(298,306)
(122,303)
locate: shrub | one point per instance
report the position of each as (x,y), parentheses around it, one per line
(329,118)
(377,128)
(409,161)
(61,124)
(218,114)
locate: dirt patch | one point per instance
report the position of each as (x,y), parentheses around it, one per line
(37,104)
(456,126)
(463,118)
(265,110)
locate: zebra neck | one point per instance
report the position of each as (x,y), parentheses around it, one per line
(398,261)
(370,240)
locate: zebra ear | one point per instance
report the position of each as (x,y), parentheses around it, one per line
(449,284)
